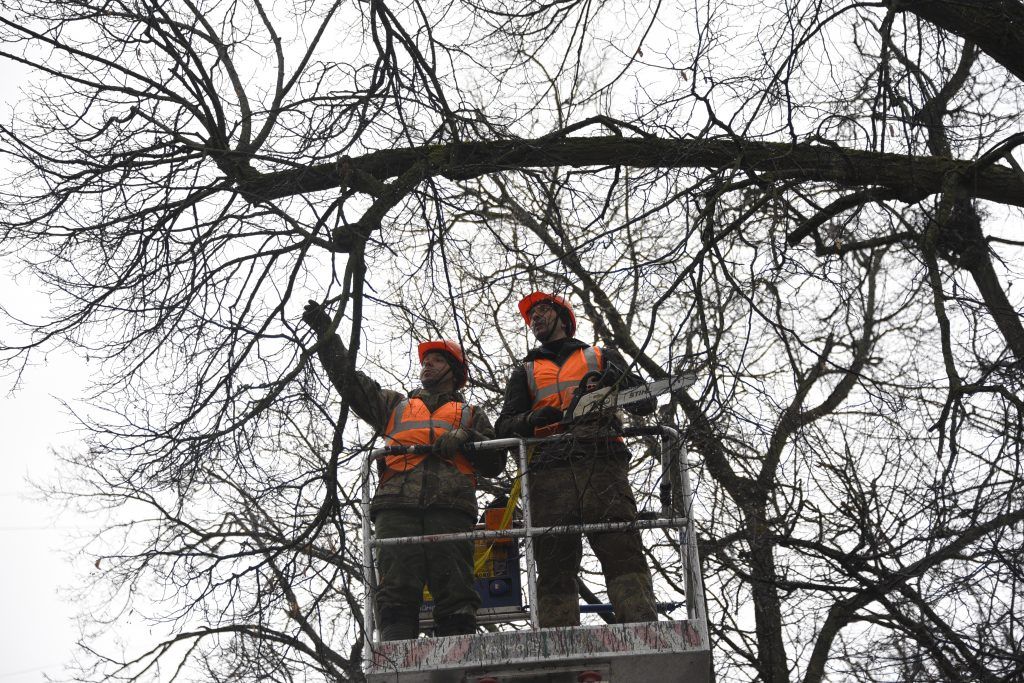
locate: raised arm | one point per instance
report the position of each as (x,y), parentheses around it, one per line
(364,396)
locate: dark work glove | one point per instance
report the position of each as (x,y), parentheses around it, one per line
(314,315)
(542,417)
(613,375)
(450,443)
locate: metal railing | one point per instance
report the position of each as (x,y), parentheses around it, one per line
(675,513)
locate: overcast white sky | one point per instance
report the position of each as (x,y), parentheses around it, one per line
(36,629)
(37,633)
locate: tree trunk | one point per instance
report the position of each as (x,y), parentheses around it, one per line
(767,612)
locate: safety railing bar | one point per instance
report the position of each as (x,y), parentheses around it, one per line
(695,607)
(535,531)
(688,551)
(498,444)
(369,579)
(492,445)
(531,572)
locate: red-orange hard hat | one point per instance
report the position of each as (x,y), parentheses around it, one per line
(531,300)
(450,348)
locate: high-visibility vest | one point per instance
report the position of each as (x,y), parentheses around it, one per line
(553,385)
(412,424)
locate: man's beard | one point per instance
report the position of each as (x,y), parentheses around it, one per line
(436,379)
(546,334)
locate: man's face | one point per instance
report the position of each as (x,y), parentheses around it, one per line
(434,369)
(545,322)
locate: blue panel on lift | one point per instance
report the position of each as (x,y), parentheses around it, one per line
(498,580)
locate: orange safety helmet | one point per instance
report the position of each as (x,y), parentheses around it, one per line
(531,300)
(449,348)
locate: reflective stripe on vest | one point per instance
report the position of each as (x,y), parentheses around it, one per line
(553,385)
(412,424)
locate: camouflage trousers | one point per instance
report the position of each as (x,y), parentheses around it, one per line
(588,492)
(446,568)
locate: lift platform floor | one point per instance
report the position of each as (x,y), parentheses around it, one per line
(655,652)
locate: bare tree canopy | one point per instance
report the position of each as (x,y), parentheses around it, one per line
(815,204)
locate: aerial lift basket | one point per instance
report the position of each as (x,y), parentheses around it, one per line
(664,651)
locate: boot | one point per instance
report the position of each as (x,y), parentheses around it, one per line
(632,597)
(558,609)
(455,625)
(398,623)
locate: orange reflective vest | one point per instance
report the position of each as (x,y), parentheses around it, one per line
(553,385)
(412,424)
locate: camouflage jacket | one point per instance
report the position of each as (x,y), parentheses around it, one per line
(434,483)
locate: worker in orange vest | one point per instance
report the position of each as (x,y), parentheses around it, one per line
(582,478)
(420,494)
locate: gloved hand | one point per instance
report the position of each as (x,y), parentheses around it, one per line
(450,443)
(314,315)
(613,375)
(542,417)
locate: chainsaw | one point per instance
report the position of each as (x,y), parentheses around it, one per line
(591,399)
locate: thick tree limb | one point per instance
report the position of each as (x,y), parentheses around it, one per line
(844,203)
(999,306)
(908,177)
(956,235)
(995,26)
